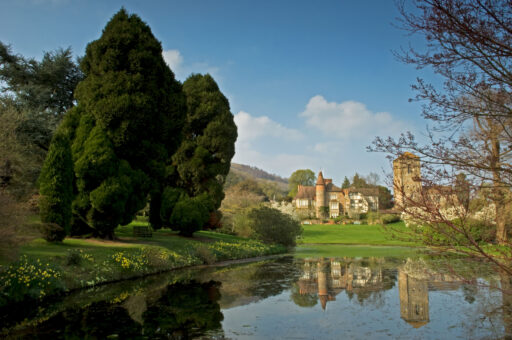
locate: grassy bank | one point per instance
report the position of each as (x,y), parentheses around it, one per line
(353,234)
(45,268)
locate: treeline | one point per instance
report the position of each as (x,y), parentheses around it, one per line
(128,134)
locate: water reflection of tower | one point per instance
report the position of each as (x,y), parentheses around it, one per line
(327,281)
(413,299)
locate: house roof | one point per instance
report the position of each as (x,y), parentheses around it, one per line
(364,191)
(332,187)
(308,192)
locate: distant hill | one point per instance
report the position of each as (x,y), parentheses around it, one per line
(271,185)
(255,173)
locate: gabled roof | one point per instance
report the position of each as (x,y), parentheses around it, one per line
(307,192)
(332,187)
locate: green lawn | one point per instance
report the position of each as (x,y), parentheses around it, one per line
(353,234)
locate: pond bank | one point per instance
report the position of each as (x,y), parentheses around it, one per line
(46,269)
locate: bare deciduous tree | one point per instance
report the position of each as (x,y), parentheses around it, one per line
(468,44)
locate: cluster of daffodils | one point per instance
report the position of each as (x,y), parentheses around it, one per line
(132,262)
(30,277)
(241,249)
(85,256)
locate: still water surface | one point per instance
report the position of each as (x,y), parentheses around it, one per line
(291,297)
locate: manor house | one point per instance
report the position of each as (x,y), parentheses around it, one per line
(328,200)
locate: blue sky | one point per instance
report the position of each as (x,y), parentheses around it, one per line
(310,83)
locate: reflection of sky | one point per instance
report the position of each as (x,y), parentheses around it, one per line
(278,317)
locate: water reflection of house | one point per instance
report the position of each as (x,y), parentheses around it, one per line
(328,277)
(414,284)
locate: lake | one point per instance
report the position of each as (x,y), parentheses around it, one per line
(302,296)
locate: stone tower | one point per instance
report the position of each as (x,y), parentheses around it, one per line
(320,195)
(406,178)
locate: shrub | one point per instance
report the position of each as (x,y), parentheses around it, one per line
(12,217)
(373,217)
(481,231)
(272,226)
(389,218)
(205,254)
(73,258)
(189,215)
(52,232)
(241,224)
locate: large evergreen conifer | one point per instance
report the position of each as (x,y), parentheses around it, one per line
(202,162)
(126,126)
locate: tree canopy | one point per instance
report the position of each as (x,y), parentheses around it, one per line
(302,177)
(42,90)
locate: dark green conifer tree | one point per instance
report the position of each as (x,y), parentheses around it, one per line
(346,183)
(56,188)
(202,162)
(130,115)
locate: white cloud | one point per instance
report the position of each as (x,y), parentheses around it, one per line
(267,144)
(251,128)
(182,69)
(174,59)
(348,118)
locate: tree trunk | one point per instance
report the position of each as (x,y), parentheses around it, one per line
(501,221)
(499,192)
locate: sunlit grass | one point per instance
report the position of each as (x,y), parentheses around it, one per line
(353,234)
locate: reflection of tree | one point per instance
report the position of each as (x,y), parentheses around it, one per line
(274,277)
(506,292)
(179,311)
(184,310)
(469,292)
(98,320)
(302,300)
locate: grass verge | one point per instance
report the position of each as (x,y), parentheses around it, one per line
(48,268)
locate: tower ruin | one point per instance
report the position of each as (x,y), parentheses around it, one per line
(406,178)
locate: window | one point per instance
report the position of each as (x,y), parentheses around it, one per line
(303,203)
(333,196)
(408,168)
(334,205)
